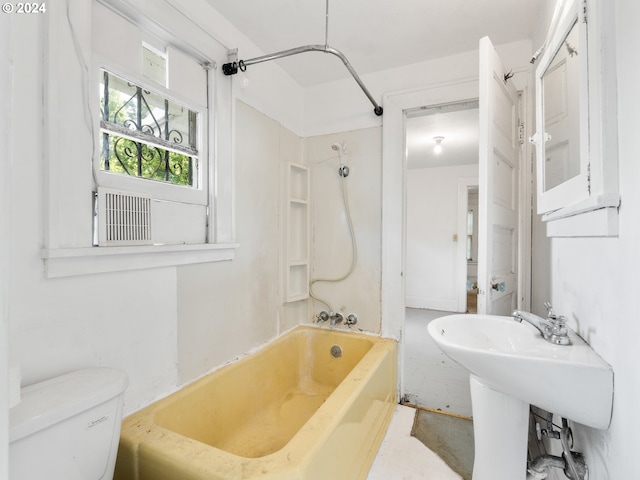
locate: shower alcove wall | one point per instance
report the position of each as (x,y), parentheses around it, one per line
(297,228)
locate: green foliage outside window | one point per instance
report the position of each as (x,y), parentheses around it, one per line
(146,135)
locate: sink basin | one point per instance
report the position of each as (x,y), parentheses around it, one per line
(571,381)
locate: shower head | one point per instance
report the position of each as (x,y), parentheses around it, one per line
(339,147)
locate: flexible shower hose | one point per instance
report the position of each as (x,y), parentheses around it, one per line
(354,250)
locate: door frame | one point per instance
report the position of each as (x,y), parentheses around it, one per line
(464,184)
(394,167)
(393,228)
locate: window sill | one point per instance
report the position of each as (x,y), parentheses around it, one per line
(596,217)
(67,262)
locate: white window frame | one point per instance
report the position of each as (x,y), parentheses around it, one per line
(67,216)
(159,53)
(158,190)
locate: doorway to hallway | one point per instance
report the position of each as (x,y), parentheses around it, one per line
(431,379)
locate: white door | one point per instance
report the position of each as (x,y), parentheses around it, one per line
(499,155)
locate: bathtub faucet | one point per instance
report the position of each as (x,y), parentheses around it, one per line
(334,318)
(553,328)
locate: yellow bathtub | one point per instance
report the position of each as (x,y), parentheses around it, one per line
(313,404)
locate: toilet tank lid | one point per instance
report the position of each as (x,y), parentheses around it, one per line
(51,401)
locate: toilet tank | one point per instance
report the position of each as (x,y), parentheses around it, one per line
(68,427)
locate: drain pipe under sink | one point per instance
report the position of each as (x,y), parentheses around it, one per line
(572,463)
(538,469)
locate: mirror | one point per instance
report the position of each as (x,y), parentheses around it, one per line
(576,122)
(561,107)
(562,146)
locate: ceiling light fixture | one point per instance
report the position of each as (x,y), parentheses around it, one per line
(438,148)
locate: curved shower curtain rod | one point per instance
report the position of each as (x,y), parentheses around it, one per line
(232,67)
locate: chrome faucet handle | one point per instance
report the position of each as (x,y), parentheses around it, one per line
(556,331)
(550,312)
(553,328)
(551,315)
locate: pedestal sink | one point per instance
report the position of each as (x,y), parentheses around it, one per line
(511,366)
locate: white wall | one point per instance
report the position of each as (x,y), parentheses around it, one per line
(6,105)
(595,280)
(431,253)
(331,241)
(540,244)
(540,262)
(226,309)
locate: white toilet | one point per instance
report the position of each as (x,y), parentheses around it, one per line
(68,427)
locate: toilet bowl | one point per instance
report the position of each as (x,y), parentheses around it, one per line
(68,427)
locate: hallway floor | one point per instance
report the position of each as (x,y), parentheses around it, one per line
(431,379)
(403,457)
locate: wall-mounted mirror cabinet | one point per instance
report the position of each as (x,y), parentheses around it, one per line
(576,155)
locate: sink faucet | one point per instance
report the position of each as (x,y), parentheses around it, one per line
(553,328)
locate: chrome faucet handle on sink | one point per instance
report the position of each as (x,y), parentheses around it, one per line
(551,315)
(553,328)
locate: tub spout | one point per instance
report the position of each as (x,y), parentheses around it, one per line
(336,318)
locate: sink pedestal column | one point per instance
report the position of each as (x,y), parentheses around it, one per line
(500,432)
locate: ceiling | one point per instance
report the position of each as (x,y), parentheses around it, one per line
(459,129)
(375,35)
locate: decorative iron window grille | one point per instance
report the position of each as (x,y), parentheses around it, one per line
(146,135)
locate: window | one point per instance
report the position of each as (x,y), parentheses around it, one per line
(470,235)
(180,208)
(154,64)
(152,112)
(145,135)
(152,125)
(151,144)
